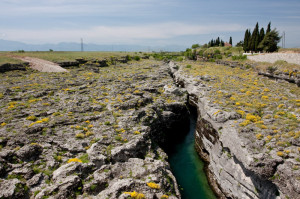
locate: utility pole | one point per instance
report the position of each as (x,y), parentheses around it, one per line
(283,39)
(81,45)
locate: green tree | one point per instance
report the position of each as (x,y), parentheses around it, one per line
(270,41)
(269,28)
(254,41)
(222,43)
(261,34)
(230,41)
(261,37)
(246,41)
(195,46)
(217,42)
(240,44)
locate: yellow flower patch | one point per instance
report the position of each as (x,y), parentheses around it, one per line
(153,185)
(74,160)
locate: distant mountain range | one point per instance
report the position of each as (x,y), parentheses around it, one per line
(6,45)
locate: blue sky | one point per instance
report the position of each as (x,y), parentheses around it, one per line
(144,22)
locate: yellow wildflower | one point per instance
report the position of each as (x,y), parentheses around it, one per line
(74,160)
(153,185)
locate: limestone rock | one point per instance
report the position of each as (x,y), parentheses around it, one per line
(30,152)
(13,189)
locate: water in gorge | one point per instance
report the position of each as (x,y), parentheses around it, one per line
(188,168)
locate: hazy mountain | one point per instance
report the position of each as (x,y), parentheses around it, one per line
(6,45)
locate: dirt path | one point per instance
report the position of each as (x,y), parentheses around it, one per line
(42,65)
(273,57)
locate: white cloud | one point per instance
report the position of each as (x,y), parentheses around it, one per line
(119,34)
(40,8)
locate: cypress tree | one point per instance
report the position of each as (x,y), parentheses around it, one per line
(222,43)
(261,37)
(218,41)
(257,38)
(254,39)
(230,41)
(246,41)
(269,28)
(261,34)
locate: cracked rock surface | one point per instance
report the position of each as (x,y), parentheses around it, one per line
(88,133)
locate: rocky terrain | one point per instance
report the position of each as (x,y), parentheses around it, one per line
(99,130)
(247,130)
(94,132)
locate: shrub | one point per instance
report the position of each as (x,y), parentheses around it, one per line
(271,69)
(137,58)
(128,58)
(89,133)
(218,56)
(80,135)
(188,66)
(239,57)
(135,195)
(107,123)
(31,118)
(259,136)
(280,153)
(252,118)
(217,52)
(84,158)
(58,158)
(74,160)
(153,185)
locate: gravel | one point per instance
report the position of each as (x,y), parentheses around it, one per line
(273,57)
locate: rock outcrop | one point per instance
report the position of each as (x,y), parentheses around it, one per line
(235,169)
(87,134)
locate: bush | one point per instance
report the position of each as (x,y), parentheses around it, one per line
(188,66)
(217,52)
(271,69)
(239,57)
(218,56)
(137,58)
(128,58)
(179,59)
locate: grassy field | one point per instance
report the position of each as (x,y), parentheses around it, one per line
(4,58)
(61,55)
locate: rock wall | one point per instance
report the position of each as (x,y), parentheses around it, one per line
(231,167)
(10,67)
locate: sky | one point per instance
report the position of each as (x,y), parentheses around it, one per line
(144,22)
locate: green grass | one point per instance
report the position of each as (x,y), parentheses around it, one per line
(71,56)
(225,50)
(4,58)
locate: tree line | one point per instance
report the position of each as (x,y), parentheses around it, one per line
(259,40)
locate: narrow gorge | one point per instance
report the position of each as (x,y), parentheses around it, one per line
(234,168)
(123,131)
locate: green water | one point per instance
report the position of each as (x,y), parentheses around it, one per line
(189,169)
